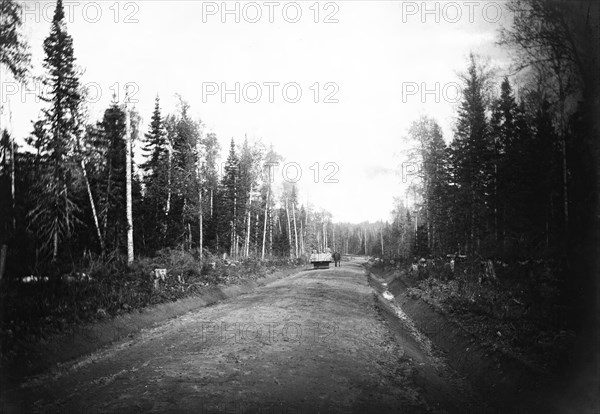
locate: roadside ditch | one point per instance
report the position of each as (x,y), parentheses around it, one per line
(505,384)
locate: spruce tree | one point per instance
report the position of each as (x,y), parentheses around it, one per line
(54,216)
(186,137)
(156,179)
(111,181)
(471,152)
(230,201)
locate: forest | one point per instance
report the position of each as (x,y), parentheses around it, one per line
(517,181)
(76,189)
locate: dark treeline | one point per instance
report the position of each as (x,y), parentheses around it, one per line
(519,177)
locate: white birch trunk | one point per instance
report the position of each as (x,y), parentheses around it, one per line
(248,229)
(256,225)
(265,225)
(302,248)
(270,229)
(169,190)
(130,256)
(295,228)
(199,183)
(287,213)
(93,205)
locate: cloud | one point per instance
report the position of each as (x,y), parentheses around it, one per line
(374,171)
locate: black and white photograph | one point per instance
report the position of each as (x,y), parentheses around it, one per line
(311,206)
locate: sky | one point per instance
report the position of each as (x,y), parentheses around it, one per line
(333,86)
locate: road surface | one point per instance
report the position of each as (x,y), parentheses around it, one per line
(312,342)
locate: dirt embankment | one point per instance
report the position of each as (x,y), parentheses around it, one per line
(504,381)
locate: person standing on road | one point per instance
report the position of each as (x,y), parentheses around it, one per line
(337,257)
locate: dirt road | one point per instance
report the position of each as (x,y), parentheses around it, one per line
(316,341)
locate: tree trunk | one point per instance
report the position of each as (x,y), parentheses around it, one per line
(496,202)
(289,225)
(107,200)
(231,240)
(302,247)
(278,223)
(248,229)
(169,190)
(548,223)
(264,240)
(128,187)
(93,205)
(333,237)
(428,221)
(563,148)
(55,245)
(256,225)
(565,182)
(270,229)
(319,241)
(295,228)
(200,209)
(234,222)
(200,223)
(3,255)
(12,181)
(248,224)
(360,241)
